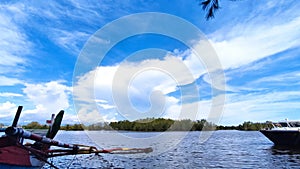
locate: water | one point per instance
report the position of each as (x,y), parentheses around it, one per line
(224,149)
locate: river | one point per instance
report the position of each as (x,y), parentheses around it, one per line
(222,149)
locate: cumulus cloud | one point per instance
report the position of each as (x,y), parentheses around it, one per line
(150,87)
(7,109)
(134,90)
(47,98)
(129,88)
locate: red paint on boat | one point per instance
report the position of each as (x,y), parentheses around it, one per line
(14,155)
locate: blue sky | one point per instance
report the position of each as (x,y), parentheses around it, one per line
(257,44)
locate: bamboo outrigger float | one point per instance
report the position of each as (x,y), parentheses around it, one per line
(16,155)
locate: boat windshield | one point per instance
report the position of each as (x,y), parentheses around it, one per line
(295,124)
(285,124)
(281,124)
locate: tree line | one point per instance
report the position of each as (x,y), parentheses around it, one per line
(155,125)
(161,124)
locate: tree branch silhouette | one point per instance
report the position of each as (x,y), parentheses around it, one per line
(211,6)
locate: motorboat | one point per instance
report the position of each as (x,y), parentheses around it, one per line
(285,133)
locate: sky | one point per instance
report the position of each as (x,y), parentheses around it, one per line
(48,62)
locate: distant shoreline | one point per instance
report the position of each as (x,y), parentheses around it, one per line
(154,125)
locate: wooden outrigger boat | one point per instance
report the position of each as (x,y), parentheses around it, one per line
(14,154)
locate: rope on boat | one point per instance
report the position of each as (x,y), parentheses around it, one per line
(72,162)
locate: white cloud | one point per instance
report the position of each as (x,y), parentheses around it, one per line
(261,107)
(47,98)
(144,77)
(69,27)
(13,41)
(88,115)
(7,94)
(70,118)
(290,78)
(136,89)
(7,109)
(6,81)
(242,45)
(72,41)
(247,43)
(84,89)
(106,106)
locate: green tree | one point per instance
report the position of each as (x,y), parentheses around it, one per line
(198,125)
(182,125)
(33,125)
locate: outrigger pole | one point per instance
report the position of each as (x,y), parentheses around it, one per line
(19,132)
(70,149)
(73,148)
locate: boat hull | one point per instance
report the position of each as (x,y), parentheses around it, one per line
(289,138)
(7,166)
(14,156)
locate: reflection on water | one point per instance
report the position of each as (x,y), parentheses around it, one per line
(224,149)
(285,150)
(286,156)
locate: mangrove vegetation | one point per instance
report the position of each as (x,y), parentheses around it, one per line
(156,125)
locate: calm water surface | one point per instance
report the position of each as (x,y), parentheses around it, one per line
(224,149)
